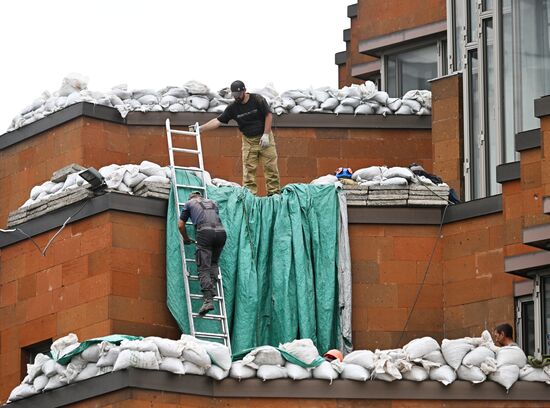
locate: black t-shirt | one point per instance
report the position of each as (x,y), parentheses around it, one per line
(249,116)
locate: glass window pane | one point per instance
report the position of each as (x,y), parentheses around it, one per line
(474,128)
(460,32)
(472,20)
(533,75)
(528,327)
(546,315)
(411,70)
(487,4)
(491,106)
(508,78)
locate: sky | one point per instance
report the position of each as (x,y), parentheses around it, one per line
(152,44)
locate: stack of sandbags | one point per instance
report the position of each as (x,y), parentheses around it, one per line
(388,195)
(425,195)
(356,195)
(194,96)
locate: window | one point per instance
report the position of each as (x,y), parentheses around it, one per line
(503,50)
(29,353)
(525,324)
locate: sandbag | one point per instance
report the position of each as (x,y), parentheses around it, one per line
(296,372)
(194,352)
(167,347)
(140,345)
(454,351)
(217,373)
(192,368)
(418,348)
(271,372)
(364,109)
(151,169)
(511,355)
(267,355)
(109,357)
(302,349)
(402,172)
(325,371)
(355,372)
(416,373)
(343,109)
(530,373)
(219,354)
(91,354)
(91,370)
(394,181)
(505,375)
(51,368)
(138,359)
(55,382)
(444,374)
(240,371)
(471,373)
(22,391)
(330,104)
(74,368)
(363,358)
(172,364)
(477,356)
(383,377)
(40,382)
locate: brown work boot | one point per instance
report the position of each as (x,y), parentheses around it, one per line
(208,304)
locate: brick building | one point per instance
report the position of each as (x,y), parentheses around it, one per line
(105,273)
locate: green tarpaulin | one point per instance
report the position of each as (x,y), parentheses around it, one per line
(279,265)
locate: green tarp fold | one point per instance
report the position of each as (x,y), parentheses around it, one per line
(279,265)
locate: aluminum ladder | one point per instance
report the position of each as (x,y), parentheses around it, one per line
(212,326)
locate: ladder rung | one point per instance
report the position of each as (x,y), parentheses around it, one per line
(193,296)
(209,316)
(182,150)
(183,132)
(188,186)
(190,260)
(188,168)
(211,335)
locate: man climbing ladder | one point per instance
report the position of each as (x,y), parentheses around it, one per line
(210,236)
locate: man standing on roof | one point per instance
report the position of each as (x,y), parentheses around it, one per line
(503,335)
(210,239)
(254,117)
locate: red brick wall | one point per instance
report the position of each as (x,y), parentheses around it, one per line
(102,275)
(304,153)
(388,265)
(136,398)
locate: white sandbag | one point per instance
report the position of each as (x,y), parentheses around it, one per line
(91,354)
(55,382)
(330,104)
(133,180)
(394,181)
(298,109)
(52,367)
(354,372)
(59,346)
(394,103)
(74,368)
(489,366)
(383,377)
(177,92)
(168,100)
(240,371)
(198,102)
(40,382)
(105,171)
(530,373)
(511,355)
(297,372)
(36,191)
(424,111)
(109,357)
(176,107)
(271,372)
(167,347)
(505,375)
(148,100)
(72,179)
(195,87)
(364,109)
(403,172)
(194,352)
(267,355)
(444,374)
(50,187)
(477,356)
(151,169)
(350,101)
(368,173)
(381,97)
(91,370)
(413,105)
(35,369)
(219,354)
(404,110)
(350,91)
(454,351)
(343,109)
(302,349)
(320,95)
(73,82)
(172,364)
(472,374)
(138,359)
(217,373)
(328,179)
(309,104)
(368,89)
(325,371)
(418,348)
(140,345)
(22,391)
(364,358)
(416,373)
(192,368)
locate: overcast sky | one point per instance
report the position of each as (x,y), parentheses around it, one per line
(151,44)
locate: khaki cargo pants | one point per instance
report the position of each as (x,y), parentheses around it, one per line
(252,155)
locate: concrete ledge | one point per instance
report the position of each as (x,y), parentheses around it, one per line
(256,388)
(529,139)
(542,106)
(537,236)
(474,208)
(340,57)
(525,264)
(352,10)
(508,172)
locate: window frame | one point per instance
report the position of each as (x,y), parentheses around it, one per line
(520,301)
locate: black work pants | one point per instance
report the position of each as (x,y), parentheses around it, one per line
(210,243)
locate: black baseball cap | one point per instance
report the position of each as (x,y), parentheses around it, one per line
(237,86)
